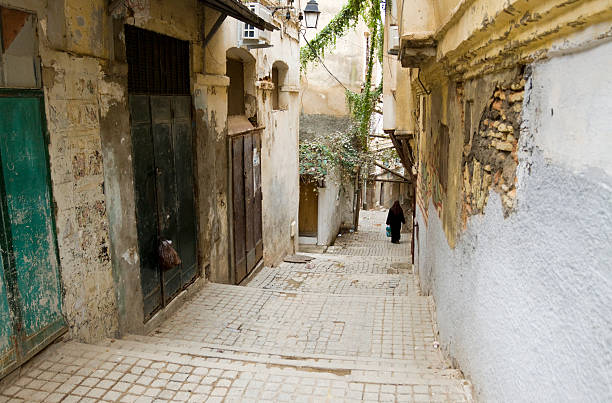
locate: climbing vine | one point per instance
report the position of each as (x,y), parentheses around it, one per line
(333,152)
(361,105)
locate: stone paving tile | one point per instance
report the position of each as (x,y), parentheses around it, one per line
(385,327)
(328,263)
(348,326)
(71,372)
(371,239)
(294,279)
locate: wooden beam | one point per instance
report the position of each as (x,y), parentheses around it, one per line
(114,4)
(389,180)
(214,29)
(390,170)
(377,150)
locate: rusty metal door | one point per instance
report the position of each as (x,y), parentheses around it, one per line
(163,180)
(162,140)
(30,298)
(246,200)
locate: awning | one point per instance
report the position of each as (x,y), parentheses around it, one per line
(239,11)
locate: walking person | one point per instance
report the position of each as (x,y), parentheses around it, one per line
(395,219)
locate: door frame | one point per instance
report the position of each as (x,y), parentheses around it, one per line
(7,248)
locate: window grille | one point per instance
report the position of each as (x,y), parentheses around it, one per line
(157,64)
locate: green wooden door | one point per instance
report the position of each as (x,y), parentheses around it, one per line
(30,265)
(163,178)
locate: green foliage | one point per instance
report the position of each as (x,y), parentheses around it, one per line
(362,104)
(325,153)
(346,18)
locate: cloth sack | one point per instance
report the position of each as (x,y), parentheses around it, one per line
(168,256)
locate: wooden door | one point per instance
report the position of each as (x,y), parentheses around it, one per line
(308,216)
(30,299)
(246,203)
(163,179)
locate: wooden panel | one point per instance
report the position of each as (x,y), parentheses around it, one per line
(238,209)
(257,226)
(183,161)
(309,208)
(249,202)
(146,202)
(166,189)
(28,227)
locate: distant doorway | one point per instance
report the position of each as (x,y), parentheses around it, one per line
(309,208)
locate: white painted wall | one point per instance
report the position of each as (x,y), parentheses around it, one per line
(524,304)
(330,213)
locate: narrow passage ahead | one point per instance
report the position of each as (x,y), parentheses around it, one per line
(349,325)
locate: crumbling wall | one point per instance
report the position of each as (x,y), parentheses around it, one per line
(490,153)
(77,175)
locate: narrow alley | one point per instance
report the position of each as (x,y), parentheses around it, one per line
(349,325)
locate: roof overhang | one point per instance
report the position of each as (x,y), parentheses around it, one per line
(240,12)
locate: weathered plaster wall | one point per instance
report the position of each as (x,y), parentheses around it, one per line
(73,112)
(85,79)
(330,212)
(71,87)
(181,20)
(279,159)
(523,299)
(321,93)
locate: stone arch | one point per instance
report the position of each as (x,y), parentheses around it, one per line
(279,79)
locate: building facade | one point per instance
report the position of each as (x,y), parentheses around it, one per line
(327,207)
(505,108)
(129,122)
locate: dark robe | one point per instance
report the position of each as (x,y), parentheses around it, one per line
(395,219)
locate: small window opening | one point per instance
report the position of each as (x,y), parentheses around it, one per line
(235,101)
(280,98)
(276,91)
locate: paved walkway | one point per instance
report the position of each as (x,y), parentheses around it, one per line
(348,326)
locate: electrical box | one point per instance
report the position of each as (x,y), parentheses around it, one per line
(393,40)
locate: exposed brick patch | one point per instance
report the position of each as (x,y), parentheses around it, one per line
(490,158)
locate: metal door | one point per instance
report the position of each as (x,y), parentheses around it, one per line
(246,200)
(163,179)
(30,298)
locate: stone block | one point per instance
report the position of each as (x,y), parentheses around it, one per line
(503,145)
(516,97)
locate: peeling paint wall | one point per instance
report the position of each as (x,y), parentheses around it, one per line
(84,74)
(529,293)
(85,83)
(513,193)
(71,80)
(279,152)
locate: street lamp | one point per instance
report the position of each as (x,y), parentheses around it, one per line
(311,14)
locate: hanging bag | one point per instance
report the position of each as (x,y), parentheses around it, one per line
(168,257)
(389,231)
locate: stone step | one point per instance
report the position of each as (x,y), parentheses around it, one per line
(298,277)
(128,371)
(336,263)
(382,250)
(292,323)
(317,362)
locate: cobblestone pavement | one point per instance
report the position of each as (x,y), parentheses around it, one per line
(349,326)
